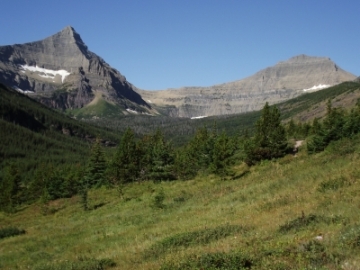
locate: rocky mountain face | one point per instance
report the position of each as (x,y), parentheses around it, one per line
(280,82)
(62,73)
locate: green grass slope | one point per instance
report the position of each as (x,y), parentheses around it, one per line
(299,212)
(97,110)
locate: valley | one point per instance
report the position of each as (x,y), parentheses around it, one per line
(98,174)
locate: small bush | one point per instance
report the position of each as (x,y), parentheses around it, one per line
(332,184)
(200,237)
(80,264)
(10,231)
(350,236)
(305,221)
(212,261)
(317,255)
(158,200)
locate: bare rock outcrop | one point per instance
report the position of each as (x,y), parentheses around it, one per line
(61,72)
(280,82)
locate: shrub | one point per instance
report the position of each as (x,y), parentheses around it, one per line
(305,221)
(211,261)
(350,236)
(80,264)
(332,184)
(199,237)
(10,231)
(158,200)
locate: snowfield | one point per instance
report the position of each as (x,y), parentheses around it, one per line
(198,117)
(317,87)
(22,91)
(132,111)
(46,73)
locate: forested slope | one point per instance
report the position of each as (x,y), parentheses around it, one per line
(32,134)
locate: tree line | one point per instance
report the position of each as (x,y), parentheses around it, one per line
(152,157)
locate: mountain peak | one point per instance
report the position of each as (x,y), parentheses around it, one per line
(306,58)
(68,35)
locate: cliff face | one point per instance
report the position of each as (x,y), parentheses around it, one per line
(61,72)
(274,84)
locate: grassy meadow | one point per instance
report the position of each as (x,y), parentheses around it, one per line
(266,217)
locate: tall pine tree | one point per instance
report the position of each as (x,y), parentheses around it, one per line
(270,137)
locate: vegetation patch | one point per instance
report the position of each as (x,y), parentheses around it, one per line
(80,264)
(350,236)
(316,254)
(306,221)
(234,261)
(200,237)
(10,231)
(101,108)
(333,184)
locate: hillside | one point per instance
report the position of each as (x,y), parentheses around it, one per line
(32,134)
(267,218)
(277,214)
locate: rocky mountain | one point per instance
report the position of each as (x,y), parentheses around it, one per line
(280,82)
(62,73)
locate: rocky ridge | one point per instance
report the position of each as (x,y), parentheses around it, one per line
(280,82)
(62,73)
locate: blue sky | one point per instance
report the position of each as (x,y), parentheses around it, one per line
(159,44)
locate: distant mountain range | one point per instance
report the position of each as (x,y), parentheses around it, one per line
(62,73)
(280,82)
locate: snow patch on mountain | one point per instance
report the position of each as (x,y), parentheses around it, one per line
(132,111)
(198,117)
(317,87)
(46,73)
(22,91)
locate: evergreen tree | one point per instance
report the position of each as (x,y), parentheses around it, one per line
(10,188)
(96,166)
(162,158)
(223,151)
(185,165)
(333,128)
(124,167)
(270,137)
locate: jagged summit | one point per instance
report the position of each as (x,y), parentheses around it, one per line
(63,49)
(63,62)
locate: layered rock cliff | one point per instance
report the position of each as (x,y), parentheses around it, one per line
(61,72)
(274,84)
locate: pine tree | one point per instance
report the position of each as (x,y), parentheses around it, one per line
(162,158)
(124,167)
(270,137)
(10,188)
(96,166)
(224,149)
(184,164)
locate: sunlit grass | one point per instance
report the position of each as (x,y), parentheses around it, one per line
(122,229)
